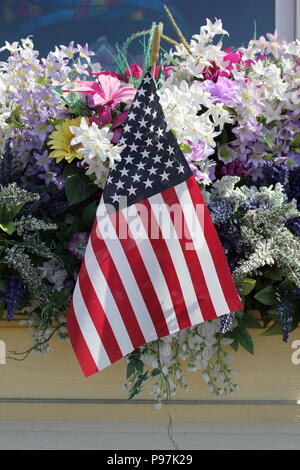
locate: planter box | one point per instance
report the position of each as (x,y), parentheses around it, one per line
(51,387)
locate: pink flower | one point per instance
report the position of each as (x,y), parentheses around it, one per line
(166,70)
(136,71)
(107,72)
(105,92)
(105,117)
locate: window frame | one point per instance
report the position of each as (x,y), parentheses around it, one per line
(287,19)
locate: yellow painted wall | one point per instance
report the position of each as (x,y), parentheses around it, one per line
(268,375)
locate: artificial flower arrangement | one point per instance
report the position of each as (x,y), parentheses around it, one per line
(235,114)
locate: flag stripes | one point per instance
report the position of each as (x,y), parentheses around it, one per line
(216,253)
(154,264)
(136,289)
(113,279)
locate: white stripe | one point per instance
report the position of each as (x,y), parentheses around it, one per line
(89,331)
(107,300)
(202,250)
(169,233)
(152,265)
(122,265)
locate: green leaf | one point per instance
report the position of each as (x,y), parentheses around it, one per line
(246,285)
(235,344)
(250,322)
(88,215)
(268,140)
(245,340)
(273,330)
(8,227)
(78,185)
(268,156)
(155,372)
(266,296)
(185,148)
(275,274)
(130,369)
(139,366)
(255,31)
(296,140)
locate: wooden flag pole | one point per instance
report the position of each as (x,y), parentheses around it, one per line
(155,46)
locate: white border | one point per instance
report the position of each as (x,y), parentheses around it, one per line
(297,19)
(287,19)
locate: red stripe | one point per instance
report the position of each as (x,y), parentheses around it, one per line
(79,345)
(161,250)
(98,315)
(141,276)
(206,305)
(116,286)
(216,249)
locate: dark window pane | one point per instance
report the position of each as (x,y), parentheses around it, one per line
(54,22)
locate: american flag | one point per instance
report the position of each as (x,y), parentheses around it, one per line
(154,264)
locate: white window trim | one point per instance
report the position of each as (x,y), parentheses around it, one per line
(287,19)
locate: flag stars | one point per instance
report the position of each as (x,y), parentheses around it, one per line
(168,163)
(115,198)
(148,163)
(136,177)
(145,154)
(152,170)
(120,185)
(133,147)
(148,183)
(122,141)
(157,159)
(132,190)
(141,166)
(160,132)
(164,176)
(146,79)
(124,172)
(149,142)
(127,128)
(128,159)
(180,168)
(136,104)
(138,135)
(131,115)
(141,92)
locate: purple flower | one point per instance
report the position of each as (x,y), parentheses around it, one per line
(42,159)
(52,177)
(224,90)
(247,132)
(12,293)
(275,173)
(226,322)
(294,157)
(78,244)
(200,151)
(235,168)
